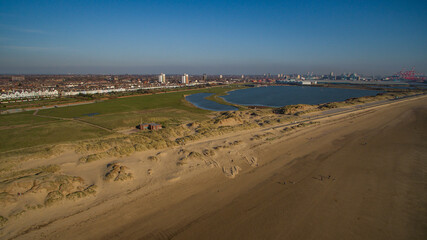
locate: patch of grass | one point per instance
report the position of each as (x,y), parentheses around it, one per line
(32,171)
(293,109)
(117,172)
(93,157)
(27,119)
(76,195)
(53,197)
(53,133)
(3,221)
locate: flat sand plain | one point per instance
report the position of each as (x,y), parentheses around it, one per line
(359,175)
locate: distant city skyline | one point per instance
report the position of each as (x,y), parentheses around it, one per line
(212,37)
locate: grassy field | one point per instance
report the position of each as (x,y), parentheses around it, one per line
(23,118)
(23,130)
(131,104)
(52,133)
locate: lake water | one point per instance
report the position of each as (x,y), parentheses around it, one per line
(278,96)
(199,101)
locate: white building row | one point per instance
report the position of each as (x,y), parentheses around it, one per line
(297,82)
(29,94)
(55,93)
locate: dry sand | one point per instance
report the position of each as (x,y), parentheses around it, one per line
(361,175)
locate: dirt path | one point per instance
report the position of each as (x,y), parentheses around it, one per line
(75,120)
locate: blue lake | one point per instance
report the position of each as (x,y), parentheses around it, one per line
(278,96)
(199,101)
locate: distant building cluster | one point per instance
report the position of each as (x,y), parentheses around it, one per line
(162,78)
(33,87)
(184,79)
(14,88)
(18,78)
(296,82)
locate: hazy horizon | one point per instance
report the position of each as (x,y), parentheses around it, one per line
(239,37)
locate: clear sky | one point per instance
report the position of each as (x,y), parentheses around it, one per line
(214,37)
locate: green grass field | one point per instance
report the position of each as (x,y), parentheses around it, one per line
(130,104)
(23,118)
(52,133)
(23,130)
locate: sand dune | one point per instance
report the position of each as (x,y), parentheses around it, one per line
(361,175)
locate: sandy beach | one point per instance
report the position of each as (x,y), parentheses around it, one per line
(358,175)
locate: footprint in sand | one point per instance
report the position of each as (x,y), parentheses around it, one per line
(231,172)
(252,161)
(324,178)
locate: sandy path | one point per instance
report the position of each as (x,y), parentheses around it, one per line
(362,177)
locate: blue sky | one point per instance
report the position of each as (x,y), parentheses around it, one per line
(214,37)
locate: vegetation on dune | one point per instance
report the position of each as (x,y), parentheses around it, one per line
(117,172)
(3,221)
(9,160)
(5,176)
(293,109)
(368,99)
(53,197)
